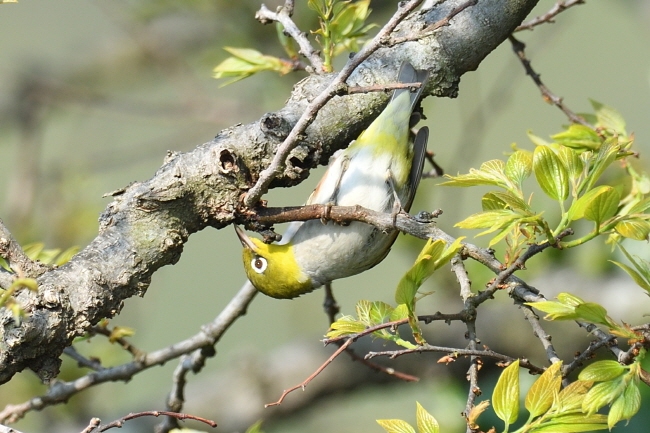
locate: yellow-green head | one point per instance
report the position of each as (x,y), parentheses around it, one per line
(273,268)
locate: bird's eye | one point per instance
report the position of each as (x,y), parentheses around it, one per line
(259,264)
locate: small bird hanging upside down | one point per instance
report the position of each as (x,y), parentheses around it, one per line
(380,170)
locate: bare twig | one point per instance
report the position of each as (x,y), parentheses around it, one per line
(540,333)
(334,88)
(119,423)
(92,425)
(455,352)
(558,8)
(283,16)
(61,391)
(588,353)
(382,87)
(519,47)
(304,383)
(123,342)
(82,361)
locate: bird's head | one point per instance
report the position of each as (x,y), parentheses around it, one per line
(273,268)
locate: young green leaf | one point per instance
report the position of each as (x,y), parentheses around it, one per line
(625,406)
(551,174)
(571,160)
(395,426)
(572,423)
(519,166)
(579,137)
(346,325)
(541,395)
(603,159)
(426,422)
(603,206)
(608,118)
(555,310)
(505,398)
(490,173)
(601,371)
(579,207)
(634,228)
(380,312)
(601,394)
(594,313)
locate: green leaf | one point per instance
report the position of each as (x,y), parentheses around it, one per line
(603,206)
(28,283)
(363,312)
(608,118)
(120,332)
(625,406)
(571,160)
(380,312)
(541,395)
(255,428)
(505,398)
(580,206)
(346,325)
(572,423)
(66,256)
(571,396)
(551,174)
(492,220)
(395,426)
(246,62)
(399,313)
(601,371)
(34,250)
(490,173)
(642,282)
(555,310)
(511,200)
(491,202)
(634,228)
(519,166)
(579,137)
(603,159)
(592,312)
(601,394)
(426,422)
(537,141)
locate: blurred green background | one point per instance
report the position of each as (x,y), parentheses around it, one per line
(92,95)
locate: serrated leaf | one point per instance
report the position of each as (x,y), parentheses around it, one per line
(542,393)
(426,422)
(490,202)
(505,398)
(642,282)
(512,201)
(603,206)
(601,371)
(346,325)
(550,173)
(578,208)
(601,394)
(634,228)
(395,426)
(363,311)
(608,118)
(380,312)
(519,166)
(490,173)
(579,137)
(492,220)
(400,312)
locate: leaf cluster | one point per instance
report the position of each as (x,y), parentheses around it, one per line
(568,171)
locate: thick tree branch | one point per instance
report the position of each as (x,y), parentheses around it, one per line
(148,222)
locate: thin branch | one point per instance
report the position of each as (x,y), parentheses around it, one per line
(304,383)
(458,268)
(268,174)
(549,16)
(60,391)
(382,88)
(519,47)
(123,342)
(119,423)
(283,16)
(586,354)
(82,361)
(540,333)
(454,353)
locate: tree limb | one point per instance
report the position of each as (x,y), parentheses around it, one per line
(148,222)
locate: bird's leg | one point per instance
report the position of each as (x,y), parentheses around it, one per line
(330,305)
(397,203)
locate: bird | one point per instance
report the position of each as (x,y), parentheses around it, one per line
(380,170)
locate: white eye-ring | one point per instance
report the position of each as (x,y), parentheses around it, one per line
(259,264)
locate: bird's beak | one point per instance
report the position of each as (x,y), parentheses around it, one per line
(244,239)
